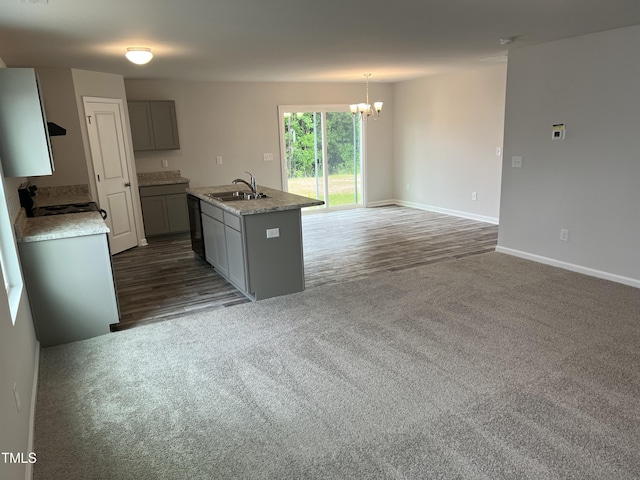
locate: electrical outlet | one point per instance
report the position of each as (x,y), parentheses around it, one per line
(407,187)
(498,151)
(516,161)
(165,163)
(474,196)
(564,234)
(219,160)
(268,157)
(273,232)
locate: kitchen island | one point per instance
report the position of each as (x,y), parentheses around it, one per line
(254,244)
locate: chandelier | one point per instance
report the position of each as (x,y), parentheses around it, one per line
(364,110)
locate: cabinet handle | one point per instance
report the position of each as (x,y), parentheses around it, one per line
(128,184)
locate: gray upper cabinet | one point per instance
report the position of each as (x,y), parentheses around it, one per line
(154,125)
(24,142)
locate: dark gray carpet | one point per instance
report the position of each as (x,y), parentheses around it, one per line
(489,367)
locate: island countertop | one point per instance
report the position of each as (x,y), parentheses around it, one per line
(276,200)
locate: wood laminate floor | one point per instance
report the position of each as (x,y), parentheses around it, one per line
(165,280)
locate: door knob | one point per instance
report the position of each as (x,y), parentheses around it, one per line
(128,184)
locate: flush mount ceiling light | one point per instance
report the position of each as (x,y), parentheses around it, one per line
(139,55)
(364,109)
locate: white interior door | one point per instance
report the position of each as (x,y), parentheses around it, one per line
(110,164)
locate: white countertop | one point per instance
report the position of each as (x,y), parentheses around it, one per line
(52,227)
(276,200)
(169,177)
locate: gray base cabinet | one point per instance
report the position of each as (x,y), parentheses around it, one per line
(70,286)
(235,257)
(259,254)
(164,209)
(215,245)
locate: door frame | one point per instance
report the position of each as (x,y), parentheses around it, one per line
(129,156)
(283,149)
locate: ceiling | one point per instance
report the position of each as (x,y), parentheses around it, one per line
(291,40)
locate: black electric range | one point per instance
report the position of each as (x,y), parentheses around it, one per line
(68,208)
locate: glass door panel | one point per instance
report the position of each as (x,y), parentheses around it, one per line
(304,154)
(322,155)
(343,159)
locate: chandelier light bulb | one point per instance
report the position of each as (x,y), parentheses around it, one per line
(139,55)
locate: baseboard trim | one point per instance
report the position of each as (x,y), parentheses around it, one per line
(28,474)
(632,282)
(381,203)
(419,206)
(447,211)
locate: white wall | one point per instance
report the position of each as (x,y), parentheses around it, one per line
(239,121)
(447,129)
(587,183)
(18,348)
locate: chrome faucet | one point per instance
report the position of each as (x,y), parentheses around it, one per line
(251,185)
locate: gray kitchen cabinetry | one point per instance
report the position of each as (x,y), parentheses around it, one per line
(223,244)
(164,209)
(154,125)
(235,251)
(275,261)
(70,286)
(260,254)
(24,141)
(215,244)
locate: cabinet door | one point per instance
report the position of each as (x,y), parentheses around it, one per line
(215,248)
(222,264)
(177,212)
(141,125)
(235,254)
(154,213)
(165,125)
(24,141)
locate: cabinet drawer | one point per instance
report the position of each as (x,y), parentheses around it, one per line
(232,221)
(163,189)
(212,211)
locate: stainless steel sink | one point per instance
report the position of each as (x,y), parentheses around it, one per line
(235,196)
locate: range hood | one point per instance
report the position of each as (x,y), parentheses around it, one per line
(55,129)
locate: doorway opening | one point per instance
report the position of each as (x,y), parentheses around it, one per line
(322,154)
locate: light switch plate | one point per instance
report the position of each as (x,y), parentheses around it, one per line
(273,232)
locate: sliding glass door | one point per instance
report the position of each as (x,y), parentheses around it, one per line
(322,154)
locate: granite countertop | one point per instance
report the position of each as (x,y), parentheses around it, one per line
(52,227)
(276,200)
(167,177)
(35,229)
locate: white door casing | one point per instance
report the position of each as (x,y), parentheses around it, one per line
(105,127)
